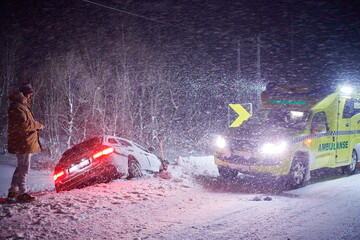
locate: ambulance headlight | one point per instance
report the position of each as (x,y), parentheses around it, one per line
(274,148)
(220,142)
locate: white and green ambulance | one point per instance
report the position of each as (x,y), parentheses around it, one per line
(296,131)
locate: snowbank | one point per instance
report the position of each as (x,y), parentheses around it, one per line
(195,166)
(184,170)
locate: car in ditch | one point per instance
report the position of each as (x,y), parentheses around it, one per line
(102,159)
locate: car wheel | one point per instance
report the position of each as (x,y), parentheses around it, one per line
(134,169)
(350,169)
(227,173)
(297,175)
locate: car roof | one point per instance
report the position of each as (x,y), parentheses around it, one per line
(119,138)
(127,140)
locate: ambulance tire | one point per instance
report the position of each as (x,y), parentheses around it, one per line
(227,173)
(297,175)
(350,169)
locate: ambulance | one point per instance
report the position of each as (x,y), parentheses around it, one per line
(294,132)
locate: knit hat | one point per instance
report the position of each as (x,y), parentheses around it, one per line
(26,89)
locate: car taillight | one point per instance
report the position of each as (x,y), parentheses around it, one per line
(59,174)
(106,151)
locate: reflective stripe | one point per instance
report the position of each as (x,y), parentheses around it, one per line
(319,135)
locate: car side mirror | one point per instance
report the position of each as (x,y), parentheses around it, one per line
(151,149)
(319,128)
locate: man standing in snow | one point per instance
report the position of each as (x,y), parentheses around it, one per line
(23,140)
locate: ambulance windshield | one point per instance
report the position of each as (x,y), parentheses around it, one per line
(282,117)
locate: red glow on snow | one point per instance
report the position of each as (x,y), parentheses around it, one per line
(59,174)
(103,152)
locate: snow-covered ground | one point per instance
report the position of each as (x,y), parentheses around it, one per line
(37,181)
(187,202)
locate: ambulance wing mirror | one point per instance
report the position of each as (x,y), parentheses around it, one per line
(319,128)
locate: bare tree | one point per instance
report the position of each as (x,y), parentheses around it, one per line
(7,76)
(69,76)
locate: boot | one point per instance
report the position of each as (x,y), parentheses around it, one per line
(11,197)
(25,198)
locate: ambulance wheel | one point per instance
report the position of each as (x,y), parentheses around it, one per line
(350,169)
(134,169)
(297,175)
(227,173)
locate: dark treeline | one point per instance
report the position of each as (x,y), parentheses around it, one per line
(100,71)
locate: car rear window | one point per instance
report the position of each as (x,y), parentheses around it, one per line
(80,148)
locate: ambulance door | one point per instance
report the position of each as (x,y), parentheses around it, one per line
(355,122)
(322,140)
(351,115)
(343,132)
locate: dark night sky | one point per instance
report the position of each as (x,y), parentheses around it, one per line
(322,37)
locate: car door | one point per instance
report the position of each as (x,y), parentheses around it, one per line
(154,161)
(144,154)
(138,153)
(120,157)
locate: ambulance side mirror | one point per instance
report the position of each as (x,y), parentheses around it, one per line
(319,128)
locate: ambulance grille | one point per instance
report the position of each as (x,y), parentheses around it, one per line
(245,145)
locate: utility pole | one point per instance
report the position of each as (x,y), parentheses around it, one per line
(292,47)
(258,43)
(240,83)
(238,49)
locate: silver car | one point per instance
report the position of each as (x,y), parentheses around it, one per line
(102,159)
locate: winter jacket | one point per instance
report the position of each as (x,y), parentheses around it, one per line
(22,130)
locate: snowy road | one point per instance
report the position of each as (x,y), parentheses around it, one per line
(326,210)
(183,208)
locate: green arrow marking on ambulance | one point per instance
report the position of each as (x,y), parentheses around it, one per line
(243,114)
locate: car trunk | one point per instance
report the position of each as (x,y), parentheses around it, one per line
(78,152)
